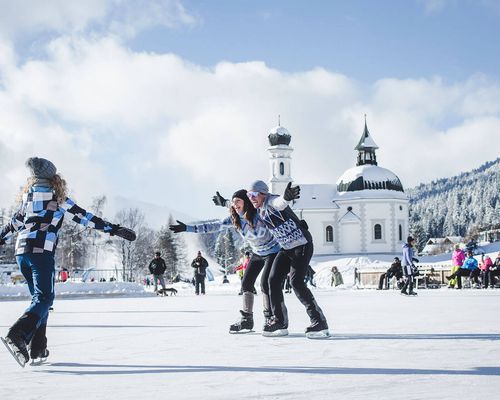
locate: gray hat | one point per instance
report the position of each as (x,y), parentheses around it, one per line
(259,186)
(41,168)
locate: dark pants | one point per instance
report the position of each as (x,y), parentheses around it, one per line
(408,284)
(485,278)
(255,266)
(492,275)
(39,272)
(199,280)
(383,283)
(296,260)
(472,274)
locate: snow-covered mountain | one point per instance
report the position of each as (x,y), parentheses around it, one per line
(453,206)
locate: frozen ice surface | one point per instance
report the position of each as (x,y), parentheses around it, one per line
(444,344)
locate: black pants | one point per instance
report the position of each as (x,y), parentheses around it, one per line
(465,272)
(382,284)
(296,261)
(408,284)
(199,280)
(485,278)
(492,275)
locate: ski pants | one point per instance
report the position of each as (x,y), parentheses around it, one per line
(255,266)
(493,273)
(39,272)
(199,281)
(296,261)
(160,278)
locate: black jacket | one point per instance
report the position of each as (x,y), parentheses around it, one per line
(395,270)
(157,266)
(200,265)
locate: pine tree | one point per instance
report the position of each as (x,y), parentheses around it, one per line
(225,251)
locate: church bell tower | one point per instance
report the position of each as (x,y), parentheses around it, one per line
(280,159)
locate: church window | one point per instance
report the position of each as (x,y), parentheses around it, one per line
(400,233)
(329,233)
(282,168)
(377,232)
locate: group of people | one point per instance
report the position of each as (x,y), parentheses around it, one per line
(482,274)
(281,244)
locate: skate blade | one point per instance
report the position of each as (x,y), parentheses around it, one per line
(241,332)
(16,354)
(277,333)
(38,361)
(324,334)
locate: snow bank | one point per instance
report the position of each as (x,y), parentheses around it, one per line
(78,289)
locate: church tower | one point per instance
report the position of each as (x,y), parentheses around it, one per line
(366,149)
(280,159)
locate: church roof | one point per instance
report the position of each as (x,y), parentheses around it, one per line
(316,196)
(368,177)
(279,135)
(366,141)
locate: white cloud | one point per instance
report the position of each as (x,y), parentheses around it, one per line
(123,17)
(153,125)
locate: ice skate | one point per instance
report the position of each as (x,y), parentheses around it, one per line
(275,328)
(17,348)
(38,357)
(244,325)
(317,330)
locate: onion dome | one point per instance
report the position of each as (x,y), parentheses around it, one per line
(279,135)
(368,177)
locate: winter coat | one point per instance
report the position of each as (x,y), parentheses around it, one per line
(407,255)
(458,258)
(40,217)
(470,264)
(200,265)
(157,266)
(394,270)
(486,264)
(258,237)
(285,226)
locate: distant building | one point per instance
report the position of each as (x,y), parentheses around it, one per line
(442,245)
(365,211)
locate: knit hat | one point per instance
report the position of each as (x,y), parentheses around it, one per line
(242,194)
(259,186)
(41,168)
(410,239)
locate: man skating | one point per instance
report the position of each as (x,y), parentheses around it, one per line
(200,265)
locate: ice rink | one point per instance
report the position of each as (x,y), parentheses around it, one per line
(444,344)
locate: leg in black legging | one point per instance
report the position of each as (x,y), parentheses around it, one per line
(277,275)
(264,285)
(301,256)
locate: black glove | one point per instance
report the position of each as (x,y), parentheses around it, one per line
(415,260)
(180,227)
(124,233)
(219,200)
(291,193)
(2,241)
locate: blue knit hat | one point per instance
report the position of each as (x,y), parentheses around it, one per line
(41,168)
(259,186)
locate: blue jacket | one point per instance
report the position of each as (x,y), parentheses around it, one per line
(259,238)
(407,255)
(470,263)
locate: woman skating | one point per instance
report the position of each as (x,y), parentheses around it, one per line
(43,205)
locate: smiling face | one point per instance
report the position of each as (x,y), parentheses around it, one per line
(256,198)
(238,205)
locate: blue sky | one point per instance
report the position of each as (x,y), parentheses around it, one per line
(167,101)
(366,40)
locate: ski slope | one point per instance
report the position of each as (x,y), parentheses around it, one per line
(441,345)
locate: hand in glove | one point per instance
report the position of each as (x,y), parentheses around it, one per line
(219,200)
(291,193)
(2,241)
(180,227)
(124,233)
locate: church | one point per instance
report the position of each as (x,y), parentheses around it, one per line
(364,212)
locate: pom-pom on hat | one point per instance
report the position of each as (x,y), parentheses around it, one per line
(41,168)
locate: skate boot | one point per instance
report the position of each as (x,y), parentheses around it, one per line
(275,328)
(38,356)
(317,330)
(17,347)
(412,293)
(244,325)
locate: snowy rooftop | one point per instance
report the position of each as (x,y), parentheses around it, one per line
(320,196)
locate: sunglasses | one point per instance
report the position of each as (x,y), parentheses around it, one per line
(252,195)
